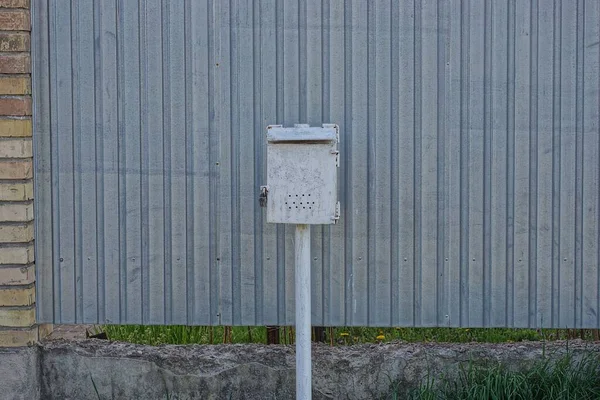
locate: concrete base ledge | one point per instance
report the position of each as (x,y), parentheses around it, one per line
(95,369)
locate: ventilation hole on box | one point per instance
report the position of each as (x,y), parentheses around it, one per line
(310,208)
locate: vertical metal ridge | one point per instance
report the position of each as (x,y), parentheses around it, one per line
(302,64)
(166,164)
(213,92)
(258,160)
(598,200)
(234,154)
(54,167)
(464,161)
(510,193)
(122,163)
(556,145)
(394,157)
(370,159)
(347,159)
(326,302)
(443,32)
(533,162)
(579,143)
(487,166)
(144,168)
(189,166)
(76,157)
(417,300)
(99,180)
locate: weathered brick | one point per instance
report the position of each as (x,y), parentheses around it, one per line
(14,20)
(17,317)
(16,255)
(16,148)
(16,212)
(15,41)
(10,127)
(15,84)
(14,3)
(17,296)
(13,275)
(19,337)
(19,106)
(16,169)
(16,233)
(19,63)
(16,191)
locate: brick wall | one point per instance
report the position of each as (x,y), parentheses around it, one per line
(17,270)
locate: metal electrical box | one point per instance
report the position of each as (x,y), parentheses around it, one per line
(302,172)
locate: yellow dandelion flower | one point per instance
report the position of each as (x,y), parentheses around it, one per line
(380,337)
(344,334)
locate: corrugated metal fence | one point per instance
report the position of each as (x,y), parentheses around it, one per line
(470,160)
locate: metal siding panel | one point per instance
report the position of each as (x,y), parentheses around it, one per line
(131,279)
(247,190)
(357,165)
(269,75)
(85,167)
(544,280)
(475,164)
(64,172)
(566,174)
(200,206)
(452,235)
(429,157)
(591,161)
(469,169)
(498,165)
(335,72)
(522,192)
(406,163)
(178,144)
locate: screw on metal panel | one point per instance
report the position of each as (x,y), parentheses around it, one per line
(62,259)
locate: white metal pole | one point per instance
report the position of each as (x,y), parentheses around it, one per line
(303,322)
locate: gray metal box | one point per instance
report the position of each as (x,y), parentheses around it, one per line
(302,164)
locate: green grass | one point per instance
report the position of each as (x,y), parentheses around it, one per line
(564,379)
(156,335)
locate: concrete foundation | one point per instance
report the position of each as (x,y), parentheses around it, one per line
(95,369)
